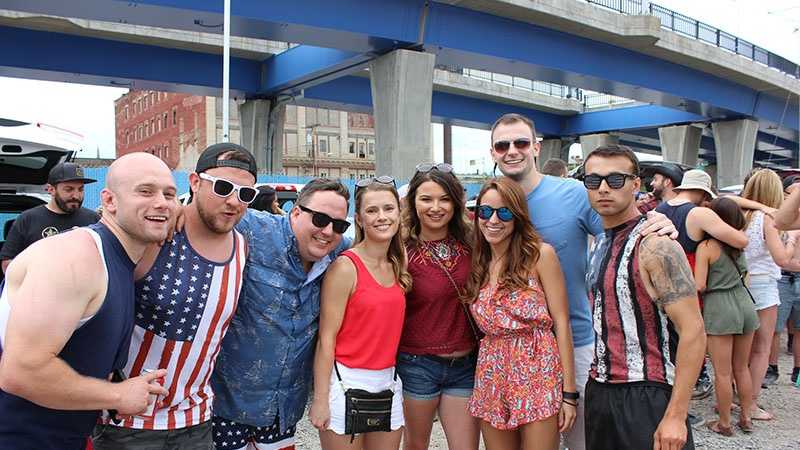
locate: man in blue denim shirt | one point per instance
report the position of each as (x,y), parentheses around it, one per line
(264,369)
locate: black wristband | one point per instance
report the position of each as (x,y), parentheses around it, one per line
(570,403)
(570,395)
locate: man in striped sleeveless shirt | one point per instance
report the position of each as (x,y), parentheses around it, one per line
(66,314)
(650,335)
(186,294)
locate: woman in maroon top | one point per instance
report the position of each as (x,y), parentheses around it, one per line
(437,348)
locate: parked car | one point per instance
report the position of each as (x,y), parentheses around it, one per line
(24,166)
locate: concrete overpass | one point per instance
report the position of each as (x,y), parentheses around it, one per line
(682,81)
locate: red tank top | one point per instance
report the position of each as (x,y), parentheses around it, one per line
(372,324)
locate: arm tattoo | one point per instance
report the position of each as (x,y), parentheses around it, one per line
(668,269)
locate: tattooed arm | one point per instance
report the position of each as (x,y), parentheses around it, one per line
(668,278)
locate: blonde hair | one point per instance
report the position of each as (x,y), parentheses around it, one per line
(764,186)
(397,251)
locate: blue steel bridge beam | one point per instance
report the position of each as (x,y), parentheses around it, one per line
(460,37)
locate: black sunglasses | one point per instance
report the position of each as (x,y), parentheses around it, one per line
(486,212)
(427,167)
(321,220)
(383,179)
(519,144)
(224,188)
(615,180)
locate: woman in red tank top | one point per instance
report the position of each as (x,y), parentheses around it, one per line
(438,347)
(362,308)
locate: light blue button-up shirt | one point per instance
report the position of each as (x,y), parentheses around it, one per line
(264,369)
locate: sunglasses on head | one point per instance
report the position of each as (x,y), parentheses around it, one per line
(321,220)
(383,179)
(427,167)
(486,212)
(615,180)
(519,144)
(224,188)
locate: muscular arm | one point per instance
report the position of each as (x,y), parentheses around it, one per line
(555,292)
(788,215)
(48,297)
(703,220)
(669,281)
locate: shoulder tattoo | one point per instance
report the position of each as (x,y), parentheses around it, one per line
(668,269)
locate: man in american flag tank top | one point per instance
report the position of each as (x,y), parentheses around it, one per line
(186,294)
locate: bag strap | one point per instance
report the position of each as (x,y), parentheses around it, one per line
(458,291)
(741,278)
(339,376)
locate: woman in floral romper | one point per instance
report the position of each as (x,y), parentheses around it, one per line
(525,381)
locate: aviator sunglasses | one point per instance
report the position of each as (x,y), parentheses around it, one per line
(321,220)
(224,188)
(383,179)
(427,167)
(486,212)
(519,144)
(615,180)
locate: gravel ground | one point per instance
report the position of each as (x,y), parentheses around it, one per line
(783,433)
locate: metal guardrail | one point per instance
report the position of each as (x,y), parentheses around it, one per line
(695,29)
(589,99)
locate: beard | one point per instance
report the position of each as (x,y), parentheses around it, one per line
(68,206)
(658,192)
(212,221)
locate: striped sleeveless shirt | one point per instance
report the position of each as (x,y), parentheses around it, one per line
(184,305)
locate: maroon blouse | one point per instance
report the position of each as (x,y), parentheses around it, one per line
(436,323)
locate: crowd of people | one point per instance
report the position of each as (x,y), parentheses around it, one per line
(559,313)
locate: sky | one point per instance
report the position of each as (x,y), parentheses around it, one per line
(89,110)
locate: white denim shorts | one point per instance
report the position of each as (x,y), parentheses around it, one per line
(765,291)
(370,381)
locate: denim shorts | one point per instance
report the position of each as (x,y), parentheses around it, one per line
(789,288)
(428,377)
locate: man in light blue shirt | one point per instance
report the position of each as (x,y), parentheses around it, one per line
(560,212)
(264,369)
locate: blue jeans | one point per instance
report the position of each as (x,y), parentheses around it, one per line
(428,377)
(789,288)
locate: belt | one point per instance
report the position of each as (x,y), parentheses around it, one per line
(457,361)
(790,275)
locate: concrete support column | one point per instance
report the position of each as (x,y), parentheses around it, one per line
(262,133)
(680,143)
(447,132)
(589,142)
(735,142)
(402,85)
(550,148)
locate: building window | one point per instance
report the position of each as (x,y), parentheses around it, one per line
(126,112)
(166,150)
(323,144)
(127,137)
(152,126)
(165,121)
(323,174)
(352,176)
(352,147)
(371,146)
(174,116)
(152,98)
(361,150)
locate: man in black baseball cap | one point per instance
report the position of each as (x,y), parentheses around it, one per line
(64,211)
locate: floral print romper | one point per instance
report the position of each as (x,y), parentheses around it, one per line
(519,377)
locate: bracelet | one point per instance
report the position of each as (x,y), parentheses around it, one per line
(570,395)
(570,403)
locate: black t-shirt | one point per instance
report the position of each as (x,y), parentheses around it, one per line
(39,222)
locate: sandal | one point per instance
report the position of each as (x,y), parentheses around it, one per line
(761,414)
(746,426)
(719,429)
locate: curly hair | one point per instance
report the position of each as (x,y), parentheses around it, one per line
(523,252)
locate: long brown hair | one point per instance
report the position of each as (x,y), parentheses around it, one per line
(523,252)
(459,227)
(397,251)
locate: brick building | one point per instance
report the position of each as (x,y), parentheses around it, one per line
(177,127)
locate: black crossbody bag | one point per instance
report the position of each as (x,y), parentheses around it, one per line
(365,411)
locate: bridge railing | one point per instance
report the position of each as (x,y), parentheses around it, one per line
(695,29)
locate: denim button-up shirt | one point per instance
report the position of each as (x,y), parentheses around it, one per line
(264,369)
